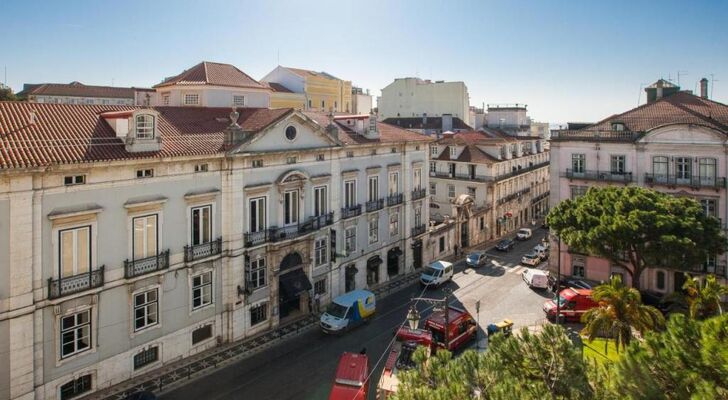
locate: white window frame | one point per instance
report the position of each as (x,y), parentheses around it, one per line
(210,226)
(394,223)
(453,151)
(417,178)
(433,151)
(350,193)
(147,306)
(433,167)
(320,200)
(393,183)
(418,216)
(350,239)
(618,164)
(144,126)
(75,268)
(321,251)
(260,225)
(578,163)
(374,228)
(146,251)
(291,207)
(202,287)
(257,272)
(687,172)
(186,97)
(373,188)
(450,190)
(165,99)
(238,100)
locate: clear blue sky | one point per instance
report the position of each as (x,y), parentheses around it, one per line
(568,60)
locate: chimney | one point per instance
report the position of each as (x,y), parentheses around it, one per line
(234,134)
(446,122)
(331,128)
(31,117)
(704,88)
(372,132)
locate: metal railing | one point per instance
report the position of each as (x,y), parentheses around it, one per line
(512,196)
(461,176)
(394,199)
(374,205)
(203,250)
(522,171)
(277,234)
(146,265)
(605,176)
(351,212)
(73,284)
(540,197)
(595,135)
(715,269)
(690,181)
(419,193)
(418,230)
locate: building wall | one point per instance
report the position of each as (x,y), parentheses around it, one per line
(4,359)
(4,251)
(291,81)
(335,94)
(362,104)
(287,100)
(211,96)
(80,100)
(409,97)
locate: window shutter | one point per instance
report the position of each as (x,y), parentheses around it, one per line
(332,248)
(248,274)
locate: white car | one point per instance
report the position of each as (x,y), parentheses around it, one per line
(524,234)
(535,278)
(531,259)
(437,273)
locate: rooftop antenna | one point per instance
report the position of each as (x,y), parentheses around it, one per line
(679,74)
(712,84)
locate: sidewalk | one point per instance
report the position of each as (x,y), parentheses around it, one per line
(181,372)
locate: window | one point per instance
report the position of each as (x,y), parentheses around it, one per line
(165,99)
(578,191)
(201,334)
(145,126)
(433,167)
(257,163)
(201,168)
(256,273)
(578,163)
(350,242)
(617,164)
(451,191)
(201,225)
(433,189)
(453,151)
(291,133)
(471,192)
(258,313)
(617,126)
(75,333)
(144,236)
(146,307)
(660,280)
(336,105)
(433,151)
(451,169)
(320,201)
(145,173)
(74,251)
(310,104)
(320,251)
(442,244)
(201,290)
(74,180)
(394,224)
(393,150)
(349,194)
(323,104)
(374,228)
(290,207)
(257,214)
(192,99)
(417,148)
(319,287)
(417,179)
(146,357)
(660,166)
(706,170)
(709,207)
(578,271)
(76,387)
(320,157)
(291,160)
(418,216)
(393,183)
(482,223)
(350,154)
(683,167)
(373,188)
(239,101)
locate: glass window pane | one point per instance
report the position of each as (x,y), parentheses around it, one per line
(206,224)
(151,236)
(82,250)
(67,253)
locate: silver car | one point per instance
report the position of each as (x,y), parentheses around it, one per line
(477,259)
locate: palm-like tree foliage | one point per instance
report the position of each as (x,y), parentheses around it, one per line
(703,298)
(620,311)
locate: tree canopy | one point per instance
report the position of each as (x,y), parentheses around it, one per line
(637,228)
(6,94)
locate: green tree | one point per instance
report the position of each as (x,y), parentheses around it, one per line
(689,360)
(6,94)
(620,311)
(637,228)
(703,299)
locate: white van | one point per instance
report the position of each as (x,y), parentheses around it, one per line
(535,278)
(437,273)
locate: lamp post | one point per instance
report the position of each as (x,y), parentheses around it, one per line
(439,303)
(413,318)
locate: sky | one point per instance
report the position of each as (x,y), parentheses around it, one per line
(567,60)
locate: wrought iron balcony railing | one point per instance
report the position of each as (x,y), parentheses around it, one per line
(374,205)
(203,250)
(605,176)
(394,199)
(418,193)
(277,234)
(418,230)
(594,135)
(715,269)
(147,265)
(351,212)
(522,171)
(74,284)
(540,197)
(513,196)
(695,182)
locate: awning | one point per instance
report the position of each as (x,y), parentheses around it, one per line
(294,283)
(374,261)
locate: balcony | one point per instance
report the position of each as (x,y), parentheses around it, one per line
(695,182)
(146,265)
(522,171)
(513,196)
(374,205)
(540,197)
(418,193)
(714,269)
(394,199)
(73,284)
(203,250)
(351,212)
(276,234)
(594,135)
(603,176)
(418,230)
(460,176)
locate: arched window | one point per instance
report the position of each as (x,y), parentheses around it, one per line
(145,126)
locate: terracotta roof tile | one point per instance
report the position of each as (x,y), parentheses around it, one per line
(77,89)
(277,87)
(216,74)
(387,133)
(470,153)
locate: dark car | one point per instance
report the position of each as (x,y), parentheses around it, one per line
(666,304)
(505,245)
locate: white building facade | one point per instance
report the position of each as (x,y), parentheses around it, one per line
(414,97)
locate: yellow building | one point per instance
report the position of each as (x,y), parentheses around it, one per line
(282,97)
(321,91)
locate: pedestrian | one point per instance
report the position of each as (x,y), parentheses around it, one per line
(317,303)
(456,250)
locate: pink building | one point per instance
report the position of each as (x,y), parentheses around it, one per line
(676,143)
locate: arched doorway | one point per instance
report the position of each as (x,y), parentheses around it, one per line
(393,256)
(373,270)
(293,286)
(350,278)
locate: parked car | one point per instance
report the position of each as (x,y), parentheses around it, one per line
(524,234)
(542,251)
(505,245)
(567,282)
(348,310)
(477,259)
(437,273)
(531,259)
(573,303)
(666,304)
(536,278)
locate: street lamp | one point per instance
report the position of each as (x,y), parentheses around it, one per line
(413,318)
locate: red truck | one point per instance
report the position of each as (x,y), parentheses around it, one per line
(351,381)
(573,304)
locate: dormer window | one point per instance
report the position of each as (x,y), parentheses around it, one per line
(617,126)
(453,152)
(433,150)
(145,126)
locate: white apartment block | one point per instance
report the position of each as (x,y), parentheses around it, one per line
(414,97)
(78,93)
(132,237)
(676,143)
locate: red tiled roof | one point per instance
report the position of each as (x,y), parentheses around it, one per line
(387,133)
(216,74)
(470,153)
(277,87)
(69,133)
(678,108)
(77,89)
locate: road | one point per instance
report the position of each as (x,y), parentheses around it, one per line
(303,367)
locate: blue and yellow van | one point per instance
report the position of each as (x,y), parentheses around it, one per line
(348,310)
